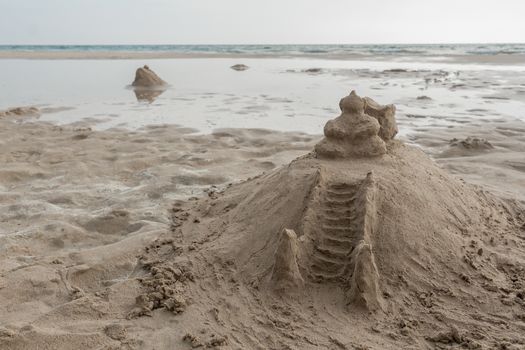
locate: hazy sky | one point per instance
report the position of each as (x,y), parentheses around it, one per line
(260,22)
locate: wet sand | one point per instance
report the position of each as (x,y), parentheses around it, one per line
(80,201)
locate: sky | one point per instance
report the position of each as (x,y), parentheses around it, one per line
(260,22)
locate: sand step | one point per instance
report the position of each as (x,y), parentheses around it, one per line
(334,252)
(330,194)
(321,275)
(339,202)
(330,260)
(342,214)
(333,221)
(339,211)
(331,269)
(338,232)
(342,186)
(346,244)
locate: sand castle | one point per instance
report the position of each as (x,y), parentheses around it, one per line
(348,220)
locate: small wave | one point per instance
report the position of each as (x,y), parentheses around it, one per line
(388,49)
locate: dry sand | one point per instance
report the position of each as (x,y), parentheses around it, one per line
(99,251)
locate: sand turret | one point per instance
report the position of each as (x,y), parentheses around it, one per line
(385,115)
(362,130)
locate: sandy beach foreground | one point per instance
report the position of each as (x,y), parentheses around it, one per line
(161,238)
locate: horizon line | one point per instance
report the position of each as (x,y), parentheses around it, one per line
(287,44)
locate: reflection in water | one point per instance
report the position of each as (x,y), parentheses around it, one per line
(148,95)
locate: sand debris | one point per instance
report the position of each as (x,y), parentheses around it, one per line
(472,143)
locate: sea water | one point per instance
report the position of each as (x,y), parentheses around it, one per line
(274,93)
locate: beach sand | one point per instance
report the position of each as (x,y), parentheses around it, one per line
(165,237)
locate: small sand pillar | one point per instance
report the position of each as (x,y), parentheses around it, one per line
(364,284)
(286,276)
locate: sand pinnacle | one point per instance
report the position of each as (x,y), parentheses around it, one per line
(285,274)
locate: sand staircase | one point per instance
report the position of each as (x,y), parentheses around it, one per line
(337,235)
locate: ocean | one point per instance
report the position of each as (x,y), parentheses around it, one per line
(321,50)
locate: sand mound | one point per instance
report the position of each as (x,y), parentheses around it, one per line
(381,249)
(146,78)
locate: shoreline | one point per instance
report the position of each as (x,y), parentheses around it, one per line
(497,59)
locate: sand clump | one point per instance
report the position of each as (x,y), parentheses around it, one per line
(165,286)
(469,146)
(472,144)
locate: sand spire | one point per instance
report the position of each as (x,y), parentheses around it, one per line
(385,115)
(285,274)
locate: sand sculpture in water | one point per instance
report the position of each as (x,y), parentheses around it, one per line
(147,84)
(146,78)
